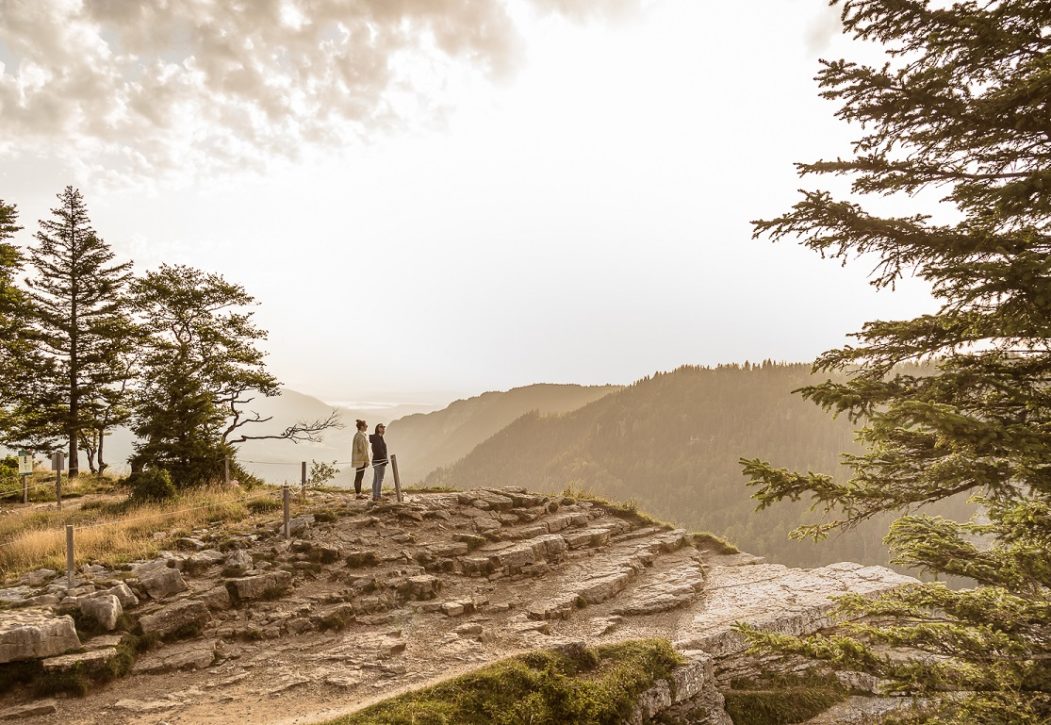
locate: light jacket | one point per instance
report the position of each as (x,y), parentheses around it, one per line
(360,454)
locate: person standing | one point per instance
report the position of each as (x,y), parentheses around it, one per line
(379,460)
(359,457)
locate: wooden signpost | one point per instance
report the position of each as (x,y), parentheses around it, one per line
(25,470)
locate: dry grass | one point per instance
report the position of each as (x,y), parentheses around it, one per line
(110,532)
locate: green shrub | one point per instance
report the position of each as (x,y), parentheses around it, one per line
(153,484)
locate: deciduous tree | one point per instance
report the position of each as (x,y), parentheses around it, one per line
(202,370)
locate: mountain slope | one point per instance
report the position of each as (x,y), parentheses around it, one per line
(427,441)
(672,442)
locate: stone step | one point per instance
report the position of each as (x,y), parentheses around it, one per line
(513,558)
(604,576)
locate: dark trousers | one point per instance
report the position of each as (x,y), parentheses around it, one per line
(359,475)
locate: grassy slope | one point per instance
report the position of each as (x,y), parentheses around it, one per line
(110,529)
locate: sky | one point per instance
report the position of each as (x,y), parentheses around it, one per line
(434,198)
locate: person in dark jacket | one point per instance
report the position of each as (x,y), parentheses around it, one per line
(379,460)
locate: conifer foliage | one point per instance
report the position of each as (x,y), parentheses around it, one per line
(12,316)
(963,104)
(78,313)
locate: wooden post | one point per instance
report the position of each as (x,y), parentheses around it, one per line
(70,564)
(56,464)
(25,489)
(226,470)
(303,479)
(397,478)
(286,496)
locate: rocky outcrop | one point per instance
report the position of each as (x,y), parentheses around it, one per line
(368,598)
(34,633)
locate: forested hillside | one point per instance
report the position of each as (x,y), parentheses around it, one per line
(426,441)
(672,442)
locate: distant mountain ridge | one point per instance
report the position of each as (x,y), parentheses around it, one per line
(427,441)
(673,442)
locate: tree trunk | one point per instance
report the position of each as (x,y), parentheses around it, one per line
(102,463)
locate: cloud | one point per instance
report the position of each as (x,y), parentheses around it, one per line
(213,85)
(822,29)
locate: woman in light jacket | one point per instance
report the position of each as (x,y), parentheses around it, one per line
(359,457)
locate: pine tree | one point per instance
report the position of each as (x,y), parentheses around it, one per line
(12,312)
(963,104)
(78,311)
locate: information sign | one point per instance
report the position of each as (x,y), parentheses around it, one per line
(25,463)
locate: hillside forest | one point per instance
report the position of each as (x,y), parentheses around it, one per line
(672,443)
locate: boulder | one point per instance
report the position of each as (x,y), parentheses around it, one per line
(261,586)
(238,563)
(163,582)
(182,618)
(203,559)
(216,598)
(124,594)
(34,633)
(104,609)
(38,577)
(299,524)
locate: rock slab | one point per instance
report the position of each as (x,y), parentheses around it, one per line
(35,633)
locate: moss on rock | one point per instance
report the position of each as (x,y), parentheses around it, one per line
(569,686)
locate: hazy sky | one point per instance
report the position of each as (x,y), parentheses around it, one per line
(437,196)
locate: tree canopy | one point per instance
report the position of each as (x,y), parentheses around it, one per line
(961,106)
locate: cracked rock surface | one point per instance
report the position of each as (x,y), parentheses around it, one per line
(365,601)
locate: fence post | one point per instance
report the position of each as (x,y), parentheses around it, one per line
(69,555)
(303,478)
(397,478)
(226,470)
(285,500)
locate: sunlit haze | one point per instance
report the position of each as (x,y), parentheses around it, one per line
(533,192)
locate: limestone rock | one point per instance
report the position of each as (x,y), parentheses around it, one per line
(190,656)
(260,586)
(38,577)
(105,609)
(669,590)
(299,524)
(123,594)
(216,598)
(186,616)
(15,595)
(35,633)
(39,708)
(86,662)
(163,582)
(238,563)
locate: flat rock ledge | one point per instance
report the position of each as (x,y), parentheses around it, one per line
(35,633)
